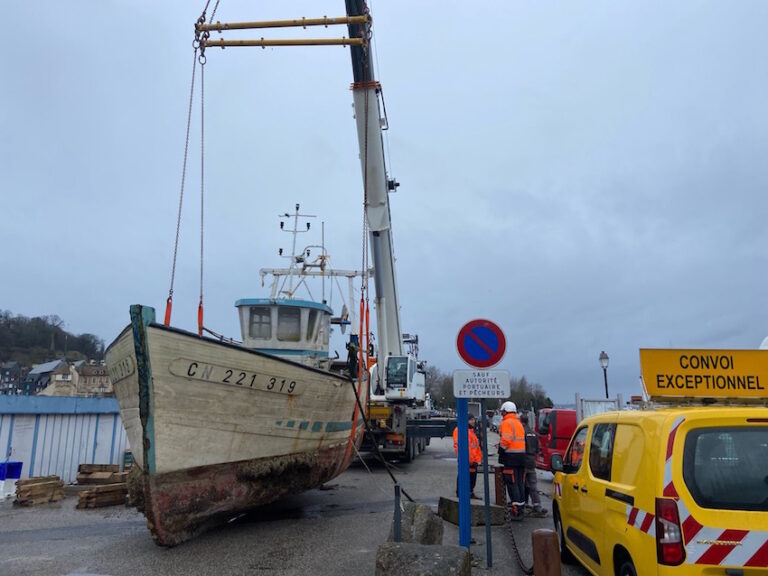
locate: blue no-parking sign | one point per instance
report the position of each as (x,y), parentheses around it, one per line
(481,343)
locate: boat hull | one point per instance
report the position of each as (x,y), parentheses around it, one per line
(217,429)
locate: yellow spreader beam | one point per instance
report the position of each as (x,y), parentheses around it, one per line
(297,22)
(297,42)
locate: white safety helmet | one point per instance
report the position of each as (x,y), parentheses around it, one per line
(508,407)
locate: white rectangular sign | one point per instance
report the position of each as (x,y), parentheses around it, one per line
(481,383)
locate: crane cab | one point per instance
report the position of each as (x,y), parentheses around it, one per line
(405,379)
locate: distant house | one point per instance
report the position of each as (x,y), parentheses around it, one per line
(79,379)
(93,380)
(39,377)
(10,376)
(61,382)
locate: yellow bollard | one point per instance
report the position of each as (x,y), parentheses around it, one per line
(546,554)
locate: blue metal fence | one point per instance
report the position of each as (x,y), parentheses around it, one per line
(53,435)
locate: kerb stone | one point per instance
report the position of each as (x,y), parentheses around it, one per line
(448,510)
(419,525)
(408,559)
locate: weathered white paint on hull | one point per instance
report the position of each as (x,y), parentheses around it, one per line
(212,403)
(127,392)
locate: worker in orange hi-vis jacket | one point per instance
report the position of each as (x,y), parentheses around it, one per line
(475,455)
(512,456)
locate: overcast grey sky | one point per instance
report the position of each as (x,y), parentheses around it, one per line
(590,175)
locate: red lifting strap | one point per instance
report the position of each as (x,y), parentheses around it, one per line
(168,308)
(200,319)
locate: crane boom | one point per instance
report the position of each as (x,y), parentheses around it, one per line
(397,374)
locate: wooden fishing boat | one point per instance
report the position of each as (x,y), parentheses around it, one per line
(218,428)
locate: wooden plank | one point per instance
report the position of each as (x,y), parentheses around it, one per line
(89,468)
(105,489)
(35,480)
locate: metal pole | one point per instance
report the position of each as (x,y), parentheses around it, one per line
(465,530)
(488,551)
(396,530)
(605,377)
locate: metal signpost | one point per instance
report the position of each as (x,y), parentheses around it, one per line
(481,344)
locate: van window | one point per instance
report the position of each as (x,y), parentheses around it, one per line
(575,451)
(727,468)
(628,448)
(544,423)
(601,451)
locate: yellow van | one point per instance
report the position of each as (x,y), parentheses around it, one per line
(677,490)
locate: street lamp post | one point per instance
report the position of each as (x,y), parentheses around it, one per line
(604,364)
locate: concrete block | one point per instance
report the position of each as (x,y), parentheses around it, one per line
(408,559)
(419,525)
(448,510)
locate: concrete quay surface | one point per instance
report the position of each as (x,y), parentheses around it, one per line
(331,531)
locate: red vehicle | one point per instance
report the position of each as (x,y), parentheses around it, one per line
(554,427)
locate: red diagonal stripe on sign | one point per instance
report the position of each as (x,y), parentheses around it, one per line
(670,491)
(671,443)
(716,552)
(690,528)
(647,521)
(632,516)
(482,344)
(759,558)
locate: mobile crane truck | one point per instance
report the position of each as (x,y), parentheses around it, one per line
(398,408)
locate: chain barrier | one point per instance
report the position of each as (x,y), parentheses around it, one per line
(508,517)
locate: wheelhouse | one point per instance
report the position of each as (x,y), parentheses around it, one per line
(297,330)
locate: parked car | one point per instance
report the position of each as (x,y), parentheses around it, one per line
(495,422)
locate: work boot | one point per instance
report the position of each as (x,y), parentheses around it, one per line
(474,496)
(515,513)
(539,513)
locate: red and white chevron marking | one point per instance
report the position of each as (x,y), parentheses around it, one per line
(643,521)
(713,546)
(669,487)
(721,546)
(558,489)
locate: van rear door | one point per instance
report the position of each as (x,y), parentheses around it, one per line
(720,472)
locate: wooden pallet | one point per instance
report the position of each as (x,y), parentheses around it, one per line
(100,474)
(34,491)
(100,496)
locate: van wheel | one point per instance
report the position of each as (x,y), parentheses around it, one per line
(627,569)
(565,555)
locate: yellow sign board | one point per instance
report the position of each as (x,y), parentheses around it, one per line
(705,373)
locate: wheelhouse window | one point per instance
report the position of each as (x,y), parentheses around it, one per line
(312,325)
(727,468)
(260,324)
(288,324)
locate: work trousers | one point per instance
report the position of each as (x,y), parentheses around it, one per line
(514,479)
(531,488)
(472,479)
